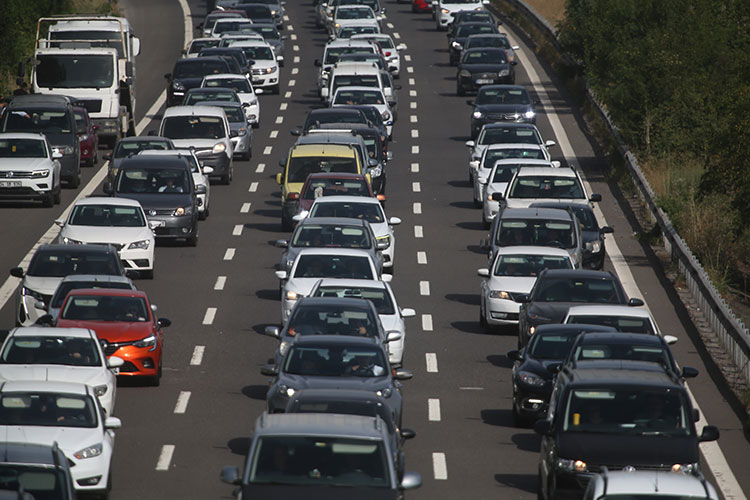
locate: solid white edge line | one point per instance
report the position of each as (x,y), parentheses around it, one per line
(165,457)
(182,402)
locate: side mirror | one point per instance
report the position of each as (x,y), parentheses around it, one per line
(549,144)
(483,273)
(514,355)
(411,480)
(108,156)
(153,224)
(372,162)
(269,370)
(514,47)
(112,423)
(555,164)
(388,155)
(324,92)
(17,272)
(230,475)
(710,433)
(401,46)
(56,155)
(595,197)
(39,304)
(135,43)
(272,331)
(115,362)
(163,322)
(386,278)
(60,222)
(393,336)
(282,275)
(470,144)
(394,221)
(689,372)
(496,196)
(279,179)
(282,161)
(606,230)
(281,243)
(402,374)
(408,312)
(278,58)
(107,188)
(208,170)
(670,339)
(474,164)
(543,427)
(635,302)
(408,434)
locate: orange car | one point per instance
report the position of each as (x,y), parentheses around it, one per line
(125,325)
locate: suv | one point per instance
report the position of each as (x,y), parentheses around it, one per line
(29,168)
(648,485)
(617,414)
(53,116)
(40,470)
(315,455)
(534,184)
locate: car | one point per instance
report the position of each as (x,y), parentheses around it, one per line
(525,136)
(240,131)
(205,129)
(76,281)
(336,48)
(483,66)
(313,264)
(128,146)
(277,11)
(188,73)
(207,25)
(119,222)
(460,32)
(345,15)
(164,187)
(498,40)
(350,454)
(391,51)
(620,414)
(556,290)
(381,295)
(359,207)
(347,96)
(501,103)
(265,73)
(418,6)
(244,89)
(641,484)
(230,37)
(359,74)
(29,168)
(534,184)
(332,184)
(198,44)
(349,30)
(497,178)
(535,366)
(270,34)
(60,354)
(376,120)
(335,361)
(375,5)
(230,52)
(49,265)
(592,234)
(67,414)
(87,136)
(339,116)
(125,324)
(256,12)
(35,470)
(444,11)
(620,317)
(227,24)
(513,272)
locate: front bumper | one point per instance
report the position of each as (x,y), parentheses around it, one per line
(478,123)
(26,189)
(241,144)
(474,82)
(90,474)
(139,361)
(266,79)
(138,259)
(501,311)
(220,162)
(173,227)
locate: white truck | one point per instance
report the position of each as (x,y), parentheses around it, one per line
(91,59)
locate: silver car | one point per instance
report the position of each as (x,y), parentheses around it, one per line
(240,130)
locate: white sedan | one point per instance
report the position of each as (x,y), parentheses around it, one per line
(513,273)
(60,354)
(116,221)
(68,414)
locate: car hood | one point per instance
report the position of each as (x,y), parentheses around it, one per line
(313,492)
(69,439)
(42,284)
(484,68)
(627,449)
(526,202)
(517,284)
(112,331)
(298,382)
(554,312)
(303,286)
(122,235)
(190,83)
(91,375)
(24,164)
(263,63)
(539,367)
(502,108)
(390,322)
(159,201)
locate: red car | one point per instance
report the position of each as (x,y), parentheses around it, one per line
(421,6)
(88,138)
(124,322)
(333,184)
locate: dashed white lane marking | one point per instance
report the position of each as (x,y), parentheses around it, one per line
(415,168)
(390,25)
(296,59)
(229,254)
(412,93)
(431,362)
(237,231)
(253,187)
(439,467)
(417,208)
(414,133)
(279,119)
(471,388)
(260,168)
(407,57)
(290,28)
(292,36)
(412,81)
(413,105)
(413,118)
(418,232)
(424,287)
(182,402)
(295,71)
(210,315)
(286,18)
(396,36)
(274,134)
(292,83)
(197,357)
(245,208)
(416,187)
(415,150)
(165,457)
(421,257)
(427,322)
(288,94)
(295,48)
(433,410)
(267,150)
(283,106)
(220,282)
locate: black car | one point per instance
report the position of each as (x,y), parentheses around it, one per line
(234,52)
(277,11)
(317,117)
(164,187)
(256,12)
(271,34)
(38,470)
(483,66)
(188,73)
(376,119)
(473,16)
(460,32)
(535,366)
(556,290)
(501,103)
(619,414)
(591,234)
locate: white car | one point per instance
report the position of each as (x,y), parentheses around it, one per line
(313,264)
(391,51)
(225,24)
(521,134)
(348,15)
(117,221)
(240,84)
(63,355)
(29,169)
(68,414)
(621,317)
(496,181)
(381,294)
(265,71)
(544,184)
(198,44)
(371,96)
(361,207)
(200,176)
(445,10)
(513,272)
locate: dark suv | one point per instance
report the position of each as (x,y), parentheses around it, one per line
(36,469)
(188,73)
(616,414)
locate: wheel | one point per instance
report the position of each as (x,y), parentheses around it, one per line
(485,223)
(482,319)
(275,89)
(49,200)
(155,381)
(287,225)
(517,420)
(227,178)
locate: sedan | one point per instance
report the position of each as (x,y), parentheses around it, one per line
(483,66)
(347,15)
(501,103)
(525,135)
(498,40)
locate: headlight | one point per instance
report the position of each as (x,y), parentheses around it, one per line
(376,172)
(529,115)
(503,72)
(500,294)
(685,468)
(242,131)
(286,390)
(271,69)
(100,390)
(139,245)
(89,452)
(572,465)
(386,115)
(594,246)
(71,241)
(149,341)
(384,392)
(38,174)
(219,147)
(478,115)
(179,212)
(290,295)
(177,86)
(31,293)
(445,11)
(63,150)
(386,238)
(464,73)
(274,12)
(530,378)
(200,189)
(337,25)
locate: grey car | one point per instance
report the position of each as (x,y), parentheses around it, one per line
(241,131)
(129,146)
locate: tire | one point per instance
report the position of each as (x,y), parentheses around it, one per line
(485,223)
(276,89)
(517,420)
(155,381)
(192,241)
(482,319)
(227,178)
(287,224)
(49,200)
(75,181)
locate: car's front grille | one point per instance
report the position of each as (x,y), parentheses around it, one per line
(110,349)
(503,116)
(258,71)
(595,469)
(151,212)
(91,105)
(128,367)
(15,174)
(117,246)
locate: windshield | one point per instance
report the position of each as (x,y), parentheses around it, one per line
(378,296)
(602,291)
(107,39)
(651,353)
(153,180)
(22,148)
(487,41)
(333,53)
(50,350)
(529,265)
(47,409)
(105,308)
(359,97)
(473,29)
(319,461)
(504,172)
(336,361)
(221,26)
(107,216)
(38,120)
(40,481)
(323,118)
(627,411)
(513,135)
(267,32)
(74,71)
(59,263)
(66,286)
(355,81)
(198,68)
(239,85)
(331,187)
(333,320)
(197,96)
(333,266)
(258,53)
(127,148)
(502,96)
(368,57)
(550,346)
(620,323)
(546,186)
(302,166)
(194,127)
(354,13)
(197,45)
(371,212)
(349,31)
(534,232)
(312,236)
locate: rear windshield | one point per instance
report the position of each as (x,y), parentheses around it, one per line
(239,85)
(314,236)
(40,481)
(59,263)
(374,97)
(378,296)
(47,409)
(193,127)
(128,148)
(331,187)
(105,308)
(153,180)
(107,216)
(333,320)
(66,286)
(620,323)
(333,53)
(302,166)
(650,353)
(596,291)
(553,233)
(546,186)
(371,212)
(193,98)
(197,45)
(50,350)
(333,266)
(529,265)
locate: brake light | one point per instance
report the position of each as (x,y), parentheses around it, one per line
(292,196)
(387,53)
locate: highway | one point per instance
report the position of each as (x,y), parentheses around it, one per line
(175,438)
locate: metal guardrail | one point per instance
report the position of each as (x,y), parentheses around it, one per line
(729,328)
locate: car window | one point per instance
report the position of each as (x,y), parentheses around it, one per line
(576,290)
(60,263)
(502,96)
(314,236)
(332,187)
(152,180)
(512,135)
(333,53)
(261,53)
(107,216)
(66,286)
(504,172)
(194,127)
(620,323)
(22,148)
(529,265)
(332,320)
(197,45)
(127,148)
(105,308)
(198,67)
(239,85)
(547,186)
(378,296)
(536,232)
(359,97)
(551,346)
(354,13)
(335,361)
(481,56)
(355,81)
(47,409)
(371,212)
(333,266)
(194,97)
(650,353)
(50,350)
(39,481)
(50,122)
(300,167)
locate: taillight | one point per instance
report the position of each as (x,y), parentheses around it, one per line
(387,53)
(292,196)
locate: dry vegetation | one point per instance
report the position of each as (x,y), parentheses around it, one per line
(552,10)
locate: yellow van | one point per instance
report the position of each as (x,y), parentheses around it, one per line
(306,159)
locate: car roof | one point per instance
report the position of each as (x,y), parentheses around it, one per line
(39,136)
(356,252)
(508,124)
(657,483)
(564,205)
(347,199)
(220,104)
(321,111)
(141,138)
(336,175)
(547,171)
(532,250)
(108,278)
(209,90)
(193,111)
(352,283)
(609,310)
(320,424)
(536,213)
(221,76)
(44,386)
(250,43)
(333,340)
(620,338)
(358,88)
(496,87)
(109,292)
(323,149)
(108,200)
(46,331)
(338,395)
(332,221)
(348,42)
(578,273)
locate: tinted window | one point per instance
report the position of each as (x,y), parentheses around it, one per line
(197,45)
(502,96)
(528,265)
(107,215)
(194,127)
(239,85)
(333,320)
(38,120)
(577,290)
(302,166)
(192,98)
(310,235)
(560,234)
(152,180)
(359,97)
(330,187)
(105,308)
(127,148)
(651,353)
(75,71)
(620,323)
(551,346)
(335,361)
(39,481)
(199,67)
(333,266)
(48,350)
(66,286)
(512,135)
(60,263)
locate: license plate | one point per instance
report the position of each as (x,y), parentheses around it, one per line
(10,184)
(483,81)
